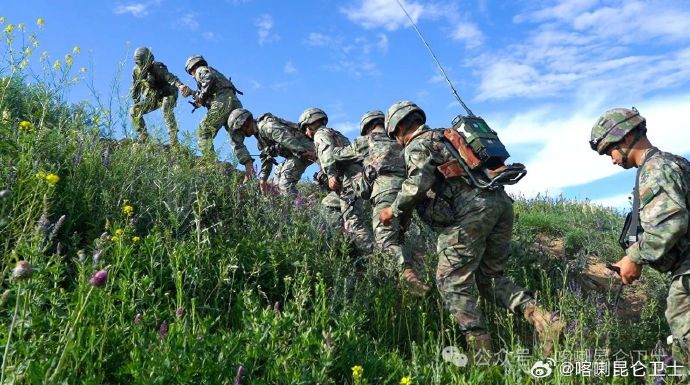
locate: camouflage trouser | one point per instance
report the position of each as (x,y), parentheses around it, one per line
(217,116)
(289,173)
(330,209)
(388,237)
(150,103)
(472,253)
(352,209)
(678,317)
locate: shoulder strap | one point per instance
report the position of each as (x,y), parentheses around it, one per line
(635,217)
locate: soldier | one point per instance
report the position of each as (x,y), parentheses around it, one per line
(379,182)
(159,88)
(217,93)
(658,234)
(274,137)
(313,121)
(474,229)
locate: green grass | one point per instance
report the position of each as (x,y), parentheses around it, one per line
(241,279)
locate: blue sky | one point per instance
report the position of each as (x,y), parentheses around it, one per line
(540,72)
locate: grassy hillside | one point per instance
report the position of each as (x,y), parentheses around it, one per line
(206,276)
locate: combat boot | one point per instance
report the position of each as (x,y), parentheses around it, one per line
(413,283)
(547,325)
(478,342)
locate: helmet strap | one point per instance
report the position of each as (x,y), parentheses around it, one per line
(625,151)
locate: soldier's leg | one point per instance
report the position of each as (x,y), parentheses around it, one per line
(290,173)
(330,209)
(678,317)
(169,103)
(492,282)
(215,118)
(388,237)
(352,209)
(137,112)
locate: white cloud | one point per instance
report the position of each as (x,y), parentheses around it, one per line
(264,25)
(290,68)
(383,13)
(468,33)
(190,21)
(618,201)
(563,158)
(352,56)
(582,47)
(135,9)
(210,36)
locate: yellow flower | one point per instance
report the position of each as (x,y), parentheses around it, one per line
(28,51)
(40,21)
(128,210)
(82,70)
(357,372)
(114,238)
(23,64)
(41,175)
(57,65)
(119,232)
(76,49)
(407,380)
(136,239)
(68,60)
(25,125)
(53,179)
(20,26)
(9,28)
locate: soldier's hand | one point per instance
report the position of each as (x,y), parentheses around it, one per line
(629,270)
(333,184)
(185,90)
(386,215)
(199,102)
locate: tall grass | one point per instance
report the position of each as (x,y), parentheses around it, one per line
(206,275)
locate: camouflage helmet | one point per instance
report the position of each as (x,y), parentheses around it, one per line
(237,118)
(369,117)
(143,55)
(397,112)
(311,115)
(612,126)
(192,61)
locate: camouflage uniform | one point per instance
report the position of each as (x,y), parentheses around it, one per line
(664,189)
(278,137)
(379,182)
(220,97)
(326,140)
(474,229)
(158,86)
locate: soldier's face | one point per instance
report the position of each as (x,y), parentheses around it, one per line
(249,128)
(616,155)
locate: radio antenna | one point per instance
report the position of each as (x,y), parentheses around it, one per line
(428,47)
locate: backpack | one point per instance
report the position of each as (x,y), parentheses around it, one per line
(479,156)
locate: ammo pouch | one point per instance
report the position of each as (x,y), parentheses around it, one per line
(361,186)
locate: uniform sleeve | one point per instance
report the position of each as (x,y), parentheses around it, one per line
(324,147)
(238,147)
(205,79)
(355,152)
(421,174)
(135,91)
(663,213)
(287,139)
(163,73)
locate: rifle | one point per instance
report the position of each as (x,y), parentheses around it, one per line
(321,179)
(616,270)
(193,102)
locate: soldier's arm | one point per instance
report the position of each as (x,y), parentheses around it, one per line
(354,152)
(163,73)
(663,214)
(205,79)
(238,147)
(421,174)
(324,152)
(135,91)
